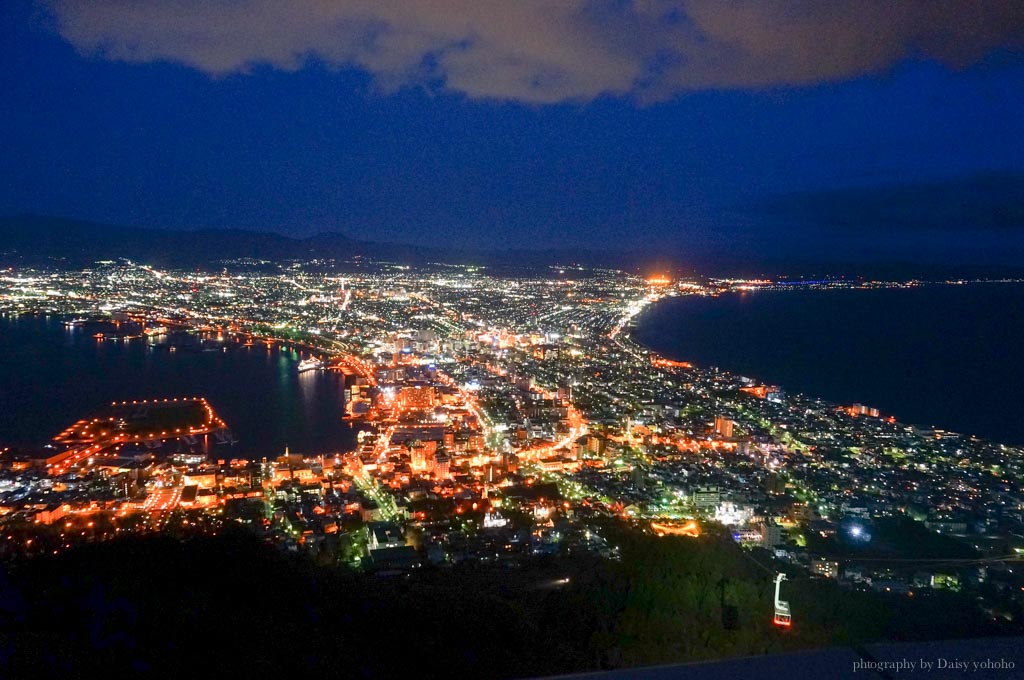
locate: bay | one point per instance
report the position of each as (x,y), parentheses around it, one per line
(948,356)
(52,375)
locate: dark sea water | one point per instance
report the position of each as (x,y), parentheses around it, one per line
(51,376)
(944,356)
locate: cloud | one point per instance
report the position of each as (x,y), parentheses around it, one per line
(546,51)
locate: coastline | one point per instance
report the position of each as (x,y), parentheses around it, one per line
(642,326)
(259,397)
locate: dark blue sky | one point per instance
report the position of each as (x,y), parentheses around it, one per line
(138,126)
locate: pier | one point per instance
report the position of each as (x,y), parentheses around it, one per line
(142,421)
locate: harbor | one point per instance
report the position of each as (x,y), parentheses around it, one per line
(253,386)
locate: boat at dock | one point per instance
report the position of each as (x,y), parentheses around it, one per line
(309,365)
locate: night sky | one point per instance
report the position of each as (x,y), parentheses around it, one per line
(825,129)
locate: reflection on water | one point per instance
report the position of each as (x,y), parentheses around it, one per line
(52,375)
(308,382)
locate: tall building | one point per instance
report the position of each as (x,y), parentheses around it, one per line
(723,427)
(771,535)
(421,454)
(442,467)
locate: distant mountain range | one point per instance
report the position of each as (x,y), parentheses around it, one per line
(39,240)
(43,240)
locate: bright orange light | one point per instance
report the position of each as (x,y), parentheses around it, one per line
(691,529)
(668,363)
(759,391)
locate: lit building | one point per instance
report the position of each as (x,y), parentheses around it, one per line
(418,397)
(826,568)
(707,497)
(730,514)
(422,454)
(383,535)
(862,410)
(442,467)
